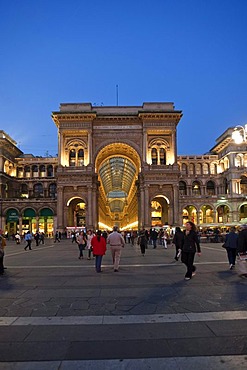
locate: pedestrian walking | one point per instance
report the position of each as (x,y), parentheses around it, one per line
(90,236)
(28,238)
(178,240)
(81,240)
(142,241)
(98,244)
(153,237)
(42,238)
(242,240)
(231,245)
(36,238)
(17,238)
(57,238)
(116,241)
(242,252)
(190,246)
(2,248)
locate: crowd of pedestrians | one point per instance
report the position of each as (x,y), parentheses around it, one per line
(186,244)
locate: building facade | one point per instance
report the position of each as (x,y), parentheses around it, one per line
(119,166)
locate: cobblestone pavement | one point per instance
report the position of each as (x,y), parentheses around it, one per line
(56,312)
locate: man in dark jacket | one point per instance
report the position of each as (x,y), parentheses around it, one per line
(231,244)
(242,240)
(178,241)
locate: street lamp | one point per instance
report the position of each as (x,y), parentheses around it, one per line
(239,134)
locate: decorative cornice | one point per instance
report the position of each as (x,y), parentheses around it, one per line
(167,117)
(58,118)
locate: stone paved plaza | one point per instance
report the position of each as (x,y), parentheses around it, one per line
(56,312)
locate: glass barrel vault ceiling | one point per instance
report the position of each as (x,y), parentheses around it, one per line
(117,175)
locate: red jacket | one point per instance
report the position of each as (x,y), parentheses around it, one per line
(99,247)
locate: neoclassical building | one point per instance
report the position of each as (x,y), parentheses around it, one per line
(119,166)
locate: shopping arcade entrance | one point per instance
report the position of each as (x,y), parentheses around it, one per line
(117,166)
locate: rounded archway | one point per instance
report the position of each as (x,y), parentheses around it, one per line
(76,212)
(117,166)
(159,210)
(189,214)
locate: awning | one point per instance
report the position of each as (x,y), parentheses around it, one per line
(12,215)
(29,212)
(46,212)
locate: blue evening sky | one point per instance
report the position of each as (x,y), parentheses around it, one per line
(190,52)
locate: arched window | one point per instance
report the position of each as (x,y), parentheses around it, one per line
(80,161)
(24,191)
(196,189)
(184,168)
(53,191)
(162,156)
(238,160)
(154,156)
(198,169)
(182,188)
(38,190)
(72,157)
(27,171)
(50,171)
(42,170)
(35,168)
(210,188)
(205,169)
(191,169)
(213,169)
(225,185)
(243,185)
(20,172)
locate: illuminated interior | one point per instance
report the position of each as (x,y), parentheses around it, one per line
(117,167)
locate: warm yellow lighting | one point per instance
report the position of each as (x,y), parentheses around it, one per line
(237,137)
(104,226)
(130,226)
(239,134)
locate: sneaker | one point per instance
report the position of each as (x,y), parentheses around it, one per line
(193,273)
(115,270)
(187,278)
(231,267)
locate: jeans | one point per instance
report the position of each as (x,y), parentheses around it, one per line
(98,260)
(188,260)
(29,243)
(143,248)
(81,247)
(231,254)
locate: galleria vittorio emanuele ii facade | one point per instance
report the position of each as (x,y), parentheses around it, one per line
(119,166)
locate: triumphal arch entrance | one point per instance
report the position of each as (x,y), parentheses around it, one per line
(117,166)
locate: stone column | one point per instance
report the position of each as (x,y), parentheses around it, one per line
(1,164)
(94,208)
(60,224)
(37,223)
(89,218)
(141,207)
(176,205)
(20,225)
(174,145)
(144,146)
(61,151)
(147,221)
(90,147)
